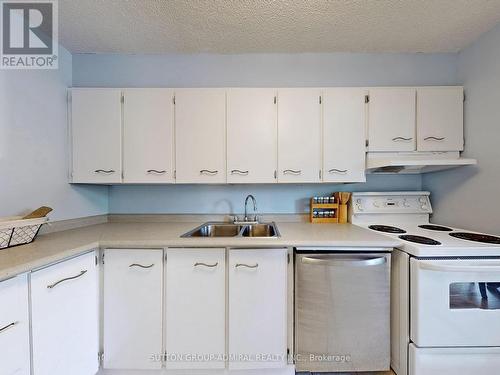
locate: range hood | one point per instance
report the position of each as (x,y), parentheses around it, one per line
(414,162)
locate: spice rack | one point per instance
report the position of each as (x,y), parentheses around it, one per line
(318,210)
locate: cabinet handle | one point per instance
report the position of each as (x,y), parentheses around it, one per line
(207,171)
(434,138)
(246,265)
(206,264)
(156,171)
(238,171)
(107,171)
(8,326)
(292,171)
(335,170)
(401,139)
(66,279)
(140,265)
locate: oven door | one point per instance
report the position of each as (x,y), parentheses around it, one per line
(455,302)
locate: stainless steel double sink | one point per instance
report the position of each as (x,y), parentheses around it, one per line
(221,229)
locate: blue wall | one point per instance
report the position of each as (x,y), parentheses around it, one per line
(468,197)
(264,70)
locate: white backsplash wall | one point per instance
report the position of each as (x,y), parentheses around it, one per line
(34,147)
(469,197)
(255,70)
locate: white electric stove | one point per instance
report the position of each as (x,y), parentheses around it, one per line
(445,313)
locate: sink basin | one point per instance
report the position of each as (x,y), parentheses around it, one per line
(214,229)
(260,230)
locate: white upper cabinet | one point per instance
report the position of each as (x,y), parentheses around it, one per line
(440,123)
(257,308)
(299,135)
(251,136)
(391,119)
(65,317)
(96,129)
(133,291)
(344,135)
(148,136)
(14,327)
(200,134)
(195,308)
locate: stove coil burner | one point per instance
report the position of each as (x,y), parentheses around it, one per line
(438,228)
(476,237)
(387,229)
(420,240)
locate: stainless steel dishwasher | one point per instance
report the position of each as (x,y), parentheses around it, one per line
(342,311)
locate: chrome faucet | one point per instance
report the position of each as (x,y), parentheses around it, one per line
(250,196)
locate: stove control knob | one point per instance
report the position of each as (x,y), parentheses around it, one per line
(405,203)
(423,207)
(375,204)
(359,207)
(422,200)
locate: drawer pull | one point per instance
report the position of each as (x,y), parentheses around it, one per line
(208,171)
(156,171)
(66,279)
(335,170)
(238,171)
(206,264)
(106,171)
(401,139)
(8,326)
(434,138)
(140,265)
(292,171)
(238,265)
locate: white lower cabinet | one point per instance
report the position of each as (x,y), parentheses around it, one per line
(133,299)
(65,319)
(195,309)
(14,327)
(257,308)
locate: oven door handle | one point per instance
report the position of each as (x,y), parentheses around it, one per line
(470,268)
(353,262)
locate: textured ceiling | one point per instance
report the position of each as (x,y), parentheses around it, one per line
(239,26)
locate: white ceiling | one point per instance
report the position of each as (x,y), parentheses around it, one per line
(239,26)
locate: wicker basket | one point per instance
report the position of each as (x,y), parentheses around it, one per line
(16,231)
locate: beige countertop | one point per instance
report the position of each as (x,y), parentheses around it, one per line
(53,247)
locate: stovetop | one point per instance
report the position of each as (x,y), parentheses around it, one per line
(432,240)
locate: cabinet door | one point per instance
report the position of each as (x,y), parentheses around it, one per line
(148,136)
(65,317)
(299,135)
(440,122)
(344,135)
(133,308)
(96,135)
(195,308)
(252,144)
(14,327)
(391,119)
(257,308)
(200,134)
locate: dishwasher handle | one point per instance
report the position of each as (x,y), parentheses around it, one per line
(350,262)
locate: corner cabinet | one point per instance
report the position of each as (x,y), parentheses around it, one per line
(440,121)
(344,135)
(132,317)
(200,135)
(257,308)
(96,136)
(299,135)
(14,327)
(148,136)
(65,317)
